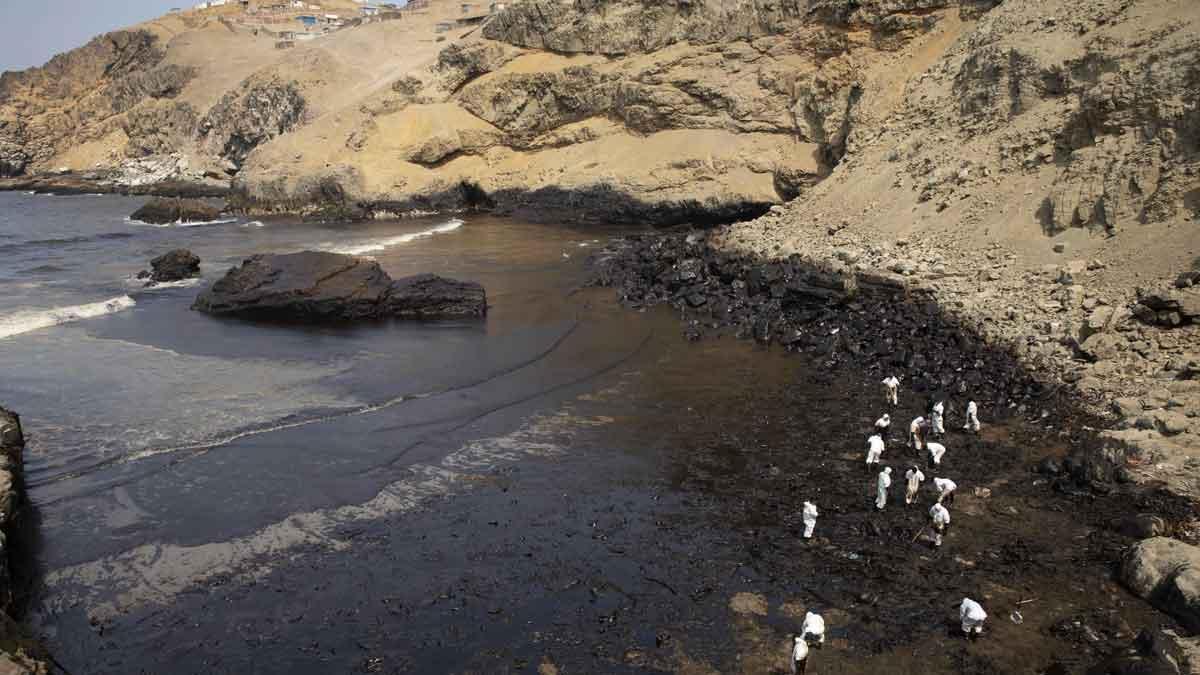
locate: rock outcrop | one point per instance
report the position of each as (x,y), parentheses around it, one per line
(1166,572)
(80,97)
(19,655)
(12,447)
(160,211)
(249,116)
(320,286)
(175,265)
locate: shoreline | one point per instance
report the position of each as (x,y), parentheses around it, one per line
(74,184)
(329,202)
(840,309)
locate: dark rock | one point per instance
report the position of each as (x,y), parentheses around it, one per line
(173,265)
(1140,526)
(317,286)
(1049,466)
(249,116)
(161,211)
(1169,307)
(12,448)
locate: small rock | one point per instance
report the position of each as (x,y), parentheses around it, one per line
(1060,247)
(749,603)
(1049,466)
(1141,526)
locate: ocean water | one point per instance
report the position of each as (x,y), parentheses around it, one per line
(153,425)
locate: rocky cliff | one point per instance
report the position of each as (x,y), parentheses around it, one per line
(617,109)
(629,109)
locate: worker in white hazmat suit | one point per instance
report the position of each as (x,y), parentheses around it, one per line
(813,629)
(875,448)
(913,479)
(891,389)
(945,489)
(936,450)
(937,418)
(972,616)
(884,482)
(799,656)
(972,424)
(916,433)
(883,424)
(939,518)
(809,515)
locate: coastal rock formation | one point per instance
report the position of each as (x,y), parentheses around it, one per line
(245,118)
(162,211)
(19,655)
(320,286)
(175,265)
(12,446)
(1167,573)
(81,97)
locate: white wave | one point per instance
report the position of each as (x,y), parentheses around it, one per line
(143,284)
(155,573)
(388,242)
(24,322)
(141,223)
(202,223)
(254,223)
(179,223)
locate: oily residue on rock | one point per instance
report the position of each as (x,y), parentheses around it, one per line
(1023,535)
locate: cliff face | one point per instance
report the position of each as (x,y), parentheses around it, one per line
(613,108)
(620,109)
(631,109)
(79,96)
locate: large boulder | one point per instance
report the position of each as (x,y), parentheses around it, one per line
(1166,572)
(1169,307)
(162,211)
(318,286)
(175,265)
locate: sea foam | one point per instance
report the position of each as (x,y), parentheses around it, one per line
(24,322)
(388,242)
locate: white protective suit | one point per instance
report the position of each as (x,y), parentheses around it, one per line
(914,432)
(936,450)
(972,418)
(913,479)
(940,518)
(809,516)
(875,448)
(813,629)
(945,488)
(883,424)
(891,389)
(938,418)
(799,655)
(972,616)
(885,482)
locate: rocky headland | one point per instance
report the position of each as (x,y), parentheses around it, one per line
(320,286)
